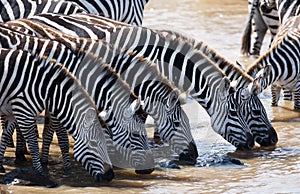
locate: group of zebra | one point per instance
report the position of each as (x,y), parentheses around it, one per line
(98,74)
(280,17)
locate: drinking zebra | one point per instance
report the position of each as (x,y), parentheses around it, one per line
(124,117)
(262,22)
(130,11)
(163,101)
(28,85)
(191,72)
(251,107)
(279,66)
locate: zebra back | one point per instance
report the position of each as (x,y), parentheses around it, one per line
(40,85)
(14,9)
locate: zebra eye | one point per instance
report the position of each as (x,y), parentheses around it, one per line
(177,123)
(233,113)
(256,112)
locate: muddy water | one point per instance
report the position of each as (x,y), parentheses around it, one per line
(220,24)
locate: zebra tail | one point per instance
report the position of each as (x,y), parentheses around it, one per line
(246,38)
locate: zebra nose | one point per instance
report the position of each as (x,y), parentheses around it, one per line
(269,139)
(189,156)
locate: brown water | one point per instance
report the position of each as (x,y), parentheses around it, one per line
(220,24)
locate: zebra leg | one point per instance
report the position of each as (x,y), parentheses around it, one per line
(21,149)
(10,142)
(27,127)
(275,94)
(7,132)
(287,95)
(51,124)
(260,30)
(297,99)
(47,138)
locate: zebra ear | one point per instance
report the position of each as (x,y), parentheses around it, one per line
(135,105)
(224,87)
(173,98)
(256,86)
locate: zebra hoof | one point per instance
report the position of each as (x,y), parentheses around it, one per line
(20,158)
(107,177)
(146,171)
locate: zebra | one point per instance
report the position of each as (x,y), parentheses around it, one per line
(163,101)
(29,85)
(262,22)
(251,107)
(279,66)
(286,8)
(130,11)
(214,97)
(120,119)
(15,9)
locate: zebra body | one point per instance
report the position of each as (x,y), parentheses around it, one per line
(41,85)
(15,9)
(280,65)
(162,101)
(261,22)
(193,79)
(129,11)
(109,93)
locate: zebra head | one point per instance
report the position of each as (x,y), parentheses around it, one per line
(228,121)
(267,6)
(173,126)
(256,116)
(127,139)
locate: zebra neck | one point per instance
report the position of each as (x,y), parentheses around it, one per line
(185,67)
(282,60)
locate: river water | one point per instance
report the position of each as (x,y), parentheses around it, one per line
(220,25)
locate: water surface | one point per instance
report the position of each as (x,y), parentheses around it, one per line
(220,24)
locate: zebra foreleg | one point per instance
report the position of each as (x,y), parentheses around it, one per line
(51,124)
(7,132)
(275,94)
(297,99)
(21,149)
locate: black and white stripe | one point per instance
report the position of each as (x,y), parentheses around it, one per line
(129,11)
(279,66)
(191,72)
(262,21)
(15,9)
(250,105)
(28,85)
(124,118)
(162,101)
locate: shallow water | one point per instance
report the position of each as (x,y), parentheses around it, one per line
(220,24)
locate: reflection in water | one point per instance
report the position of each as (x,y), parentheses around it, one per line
(272,170)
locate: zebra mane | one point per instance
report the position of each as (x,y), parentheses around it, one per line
(231,70)
(263,60)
